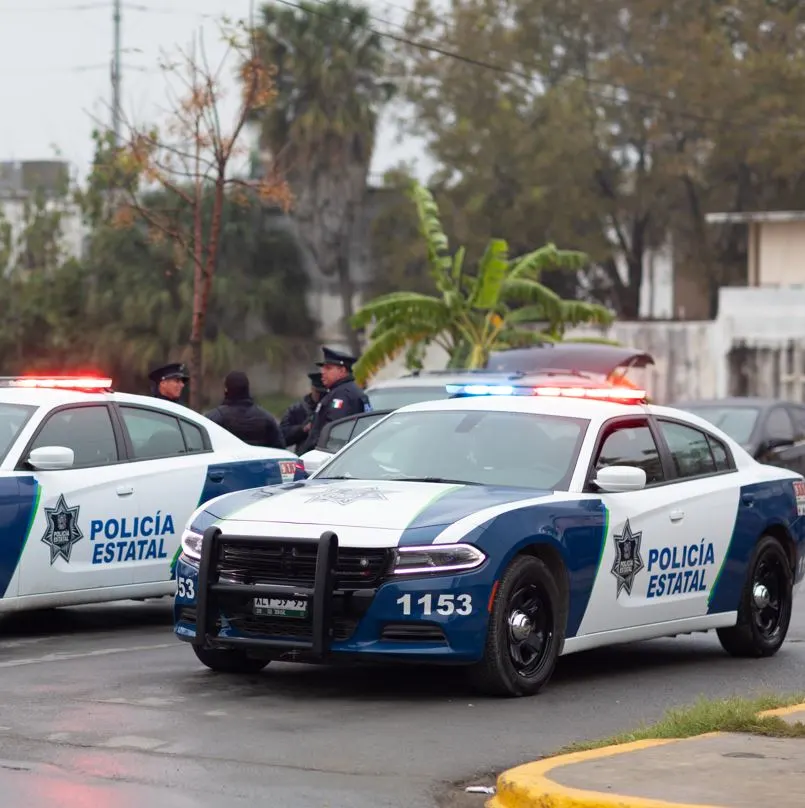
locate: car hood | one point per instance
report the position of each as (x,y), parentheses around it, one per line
(362,505)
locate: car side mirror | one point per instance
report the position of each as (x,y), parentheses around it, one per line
(773,444)
(51,458)
(618,479)
(314,460)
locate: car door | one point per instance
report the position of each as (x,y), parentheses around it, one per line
(169,459)
(80,511)
(665,543)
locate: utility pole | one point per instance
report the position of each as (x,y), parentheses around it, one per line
(116,74)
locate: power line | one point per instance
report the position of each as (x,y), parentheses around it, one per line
(661,102)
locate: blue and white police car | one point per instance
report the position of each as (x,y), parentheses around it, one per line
(96,486)
(499,533)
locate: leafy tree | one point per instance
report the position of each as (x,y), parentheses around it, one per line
(320,131)
(191,161)
(501,304)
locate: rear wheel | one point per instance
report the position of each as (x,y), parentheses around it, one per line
(765,610)
(224,661)
(523,639)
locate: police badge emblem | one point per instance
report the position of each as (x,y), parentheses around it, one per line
(62,531)
(628,561)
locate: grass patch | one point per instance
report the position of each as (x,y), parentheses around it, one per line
(724,715)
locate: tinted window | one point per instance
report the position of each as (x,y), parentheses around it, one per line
(394,397)
(339,436)
(720,454)
(474,447)
(362,424)
(153,434)
(690,450)
(632,446)
(86,430)
(737,422)
(193,437)
(779,426)
(13,418)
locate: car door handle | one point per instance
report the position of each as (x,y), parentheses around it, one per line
(216,476)
(677,516)
(124,490)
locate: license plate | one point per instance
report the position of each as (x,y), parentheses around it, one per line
(280,607)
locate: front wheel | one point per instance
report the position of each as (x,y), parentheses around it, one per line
(523,639)
(766,603)
(224,661)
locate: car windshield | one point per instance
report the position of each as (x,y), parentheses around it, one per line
(737,422)
(523,450)
(13,418)
(392,398)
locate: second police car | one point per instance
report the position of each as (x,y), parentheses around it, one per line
(96,486)
(498,533)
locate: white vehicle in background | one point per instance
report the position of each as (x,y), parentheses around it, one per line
(95,487)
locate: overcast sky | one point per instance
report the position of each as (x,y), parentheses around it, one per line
(55,58)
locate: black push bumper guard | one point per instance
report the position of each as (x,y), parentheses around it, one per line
(320,595)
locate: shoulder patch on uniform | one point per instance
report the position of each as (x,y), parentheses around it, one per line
(337,404)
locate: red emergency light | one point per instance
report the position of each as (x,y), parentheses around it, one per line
(619,395)
(85,383)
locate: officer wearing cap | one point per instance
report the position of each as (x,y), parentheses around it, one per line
(297,418)
(168,382)
(343,397)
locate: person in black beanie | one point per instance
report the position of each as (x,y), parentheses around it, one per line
(246,420)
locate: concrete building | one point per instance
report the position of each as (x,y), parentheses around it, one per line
(775,245)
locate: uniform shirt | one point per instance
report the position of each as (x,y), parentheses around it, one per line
(294,419)
(344,398)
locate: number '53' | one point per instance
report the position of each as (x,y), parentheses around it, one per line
(443,604)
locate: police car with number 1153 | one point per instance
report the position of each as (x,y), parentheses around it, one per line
(95,487)
(499,533)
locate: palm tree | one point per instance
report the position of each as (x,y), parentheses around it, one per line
(502,304)
(320,131)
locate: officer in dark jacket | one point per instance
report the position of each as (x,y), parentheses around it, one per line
(168,382)
(242,417)
(343,396)
(300,414)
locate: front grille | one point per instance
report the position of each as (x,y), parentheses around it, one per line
(343,627)
(292,563)
(412,632)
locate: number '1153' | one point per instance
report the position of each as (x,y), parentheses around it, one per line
(441,604)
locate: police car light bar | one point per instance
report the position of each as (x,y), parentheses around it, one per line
(616,394)
(87,383)
(480,389)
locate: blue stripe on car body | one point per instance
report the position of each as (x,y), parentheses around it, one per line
(19,498)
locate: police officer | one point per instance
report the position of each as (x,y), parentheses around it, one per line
(168,382)
(300,414)
(246,420)
(343,396)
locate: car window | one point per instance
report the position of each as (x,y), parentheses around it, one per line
(523,450)
(339,436)
(193,436)
(392,398)
(737,422)
(779,426)
(13,418)
(798,417)
(87,431)
(690,449)
(631,446)
(153,434)
(362,424)
(720,454)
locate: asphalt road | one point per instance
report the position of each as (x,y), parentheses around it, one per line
(100,706)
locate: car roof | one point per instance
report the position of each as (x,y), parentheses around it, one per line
(54,397)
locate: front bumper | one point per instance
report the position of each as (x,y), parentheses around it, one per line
(437,618)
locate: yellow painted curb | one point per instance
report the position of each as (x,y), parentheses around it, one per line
(529,786)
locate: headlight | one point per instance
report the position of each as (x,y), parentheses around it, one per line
(191,544)
(436,558)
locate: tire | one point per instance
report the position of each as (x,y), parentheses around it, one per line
(511,664)
(762,629)
(229,661)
